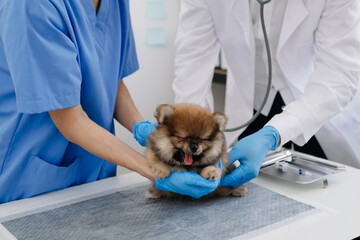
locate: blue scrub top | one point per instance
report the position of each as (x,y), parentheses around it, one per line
(57,54)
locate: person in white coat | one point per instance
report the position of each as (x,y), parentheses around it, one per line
(315,49)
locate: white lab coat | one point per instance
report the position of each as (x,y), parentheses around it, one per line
(318,52)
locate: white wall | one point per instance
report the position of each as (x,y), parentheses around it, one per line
(151,85)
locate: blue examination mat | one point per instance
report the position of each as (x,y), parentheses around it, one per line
(128,214)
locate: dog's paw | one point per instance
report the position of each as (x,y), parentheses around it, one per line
(210,172)
(160,171)
(239,191)
(152,195)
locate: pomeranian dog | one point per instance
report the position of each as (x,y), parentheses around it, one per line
(189,138)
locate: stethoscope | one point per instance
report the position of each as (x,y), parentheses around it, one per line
(268,53)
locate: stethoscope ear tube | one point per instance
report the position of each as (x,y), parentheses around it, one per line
(266,40)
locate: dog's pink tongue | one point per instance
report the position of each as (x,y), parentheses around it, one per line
(188,159)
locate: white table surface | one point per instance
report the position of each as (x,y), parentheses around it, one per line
(339,204)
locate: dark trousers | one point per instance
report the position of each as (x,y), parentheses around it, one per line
(311,147)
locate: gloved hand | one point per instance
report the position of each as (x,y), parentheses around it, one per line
(188,183)
(251,152)
(142,130)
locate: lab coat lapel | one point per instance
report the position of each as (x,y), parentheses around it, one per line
(295,13)
(240,9)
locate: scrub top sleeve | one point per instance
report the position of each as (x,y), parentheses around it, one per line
(130,61)
(42,58)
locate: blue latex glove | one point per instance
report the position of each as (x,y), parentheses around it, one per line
(142,130)
(188,183)
(251,152)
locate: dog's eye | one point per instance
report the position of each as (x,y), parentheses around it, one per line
(180,138)
(204,139)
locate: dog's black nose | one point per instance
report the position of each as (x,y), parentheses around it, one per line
(193,147)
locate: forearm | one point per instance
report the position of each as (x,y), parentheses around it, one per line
(75,125)
(334,81)
(126,112)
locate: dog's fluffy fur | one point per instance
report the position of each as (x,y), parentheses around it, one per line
(189,138)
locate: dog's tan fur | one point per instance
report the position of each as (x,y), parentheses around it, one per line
(179,127)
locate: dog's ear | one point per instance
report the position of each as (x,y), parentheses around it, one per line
(163,111)
(221,120)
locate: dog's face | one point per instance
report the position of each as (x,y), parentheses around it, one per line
(188,135)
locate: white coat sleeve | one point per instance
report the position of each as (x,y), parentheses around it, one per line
(197,50)
(334,81)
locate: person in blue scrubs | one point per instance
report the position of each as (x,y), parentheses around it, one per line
(61,70)
(61,65)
